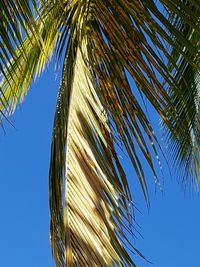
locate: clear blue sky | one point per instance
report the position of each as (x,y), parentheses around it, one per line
(170,229)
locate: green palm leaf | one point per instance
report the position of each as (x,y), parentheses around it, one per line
(108,46)
(186,146)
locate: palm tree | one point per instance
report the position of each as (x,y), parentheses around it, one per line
(106,47)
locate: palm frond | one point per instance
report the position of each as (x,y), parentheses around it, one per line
(89,202)
(29,59)
(112,47)
(17,21)
(186,146)
(114,51)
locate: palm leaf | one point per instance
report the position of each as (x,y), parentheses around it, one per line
(110,46)
(91,206)
(116,49)
(186,146)
(29,59)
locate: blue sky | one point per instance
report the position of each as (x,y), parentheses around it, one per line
(170,228)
